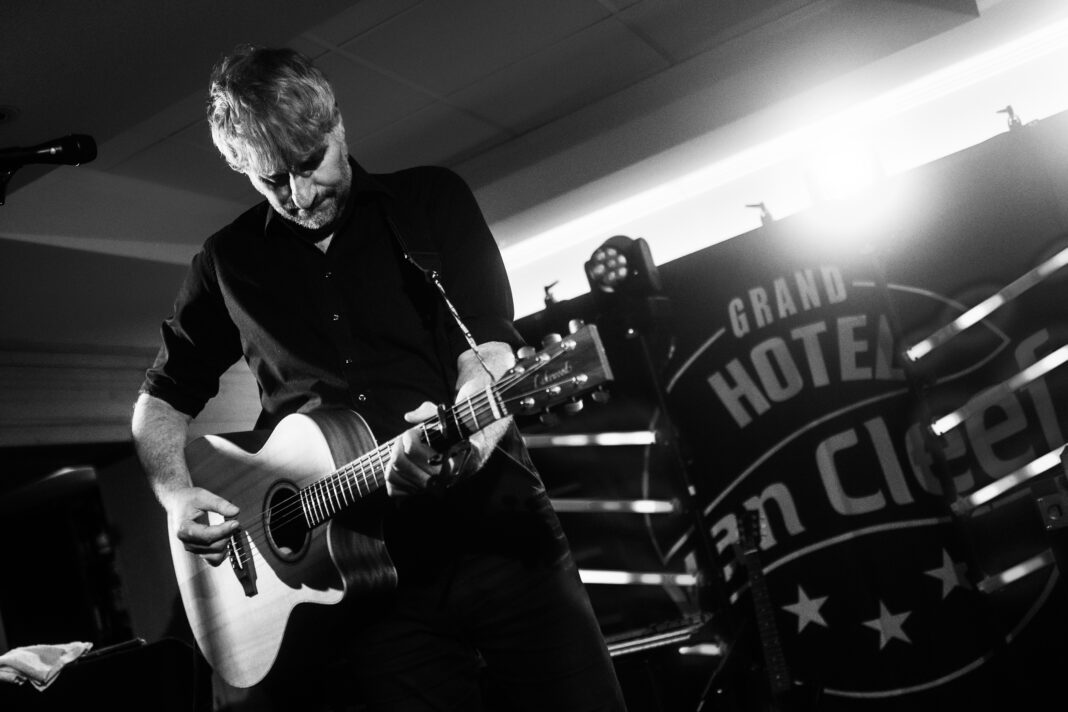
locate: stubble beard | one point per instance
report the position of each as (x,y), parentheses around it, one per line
(329,208)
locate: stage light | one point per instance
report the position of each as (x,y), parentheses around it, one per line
(933,100)
(614,439)
(602,506)
(998,581)
(630,578)
(988,306)
(623,264)
(842,166)
(1003,484)
(707,649)
(993,395)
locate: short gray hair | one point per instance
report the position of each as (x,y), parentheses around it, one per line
(269,108)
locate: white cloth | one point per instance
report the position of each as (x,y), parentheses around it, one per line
(40,664)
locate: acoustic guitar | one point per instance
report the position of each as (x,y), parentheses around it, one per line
(291,483)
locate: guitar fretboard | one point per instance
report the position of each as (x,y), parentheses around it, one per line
(327,497)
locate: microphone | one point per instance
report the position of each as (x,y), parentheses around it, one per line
(71,150)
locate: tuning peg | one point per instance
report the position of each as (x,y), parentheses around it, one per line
(525,352)
(549,418)
(600,395)
(551,338)
(575,325)
(573,406)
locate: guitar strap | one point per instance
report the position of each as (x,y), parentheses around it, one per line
(429,263)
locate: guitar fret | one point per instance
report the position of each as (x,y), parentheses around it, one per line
(495,410)
(313,515)
(317,499)
(324,498)
(339,485)
(349,482)
(304,507)
(381,465)
(358,478)
(339,491)
(474,416)
(458,424)
(333,501)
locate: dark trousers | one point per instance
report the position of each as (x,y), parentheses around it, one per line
(496,634)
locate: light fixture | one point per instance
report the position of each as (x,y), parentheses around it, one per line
(623,264)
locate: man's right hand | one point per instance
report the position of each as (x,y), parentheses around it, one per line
(187,511)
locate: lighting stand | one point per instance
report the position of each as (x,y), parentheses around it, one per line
(640,319)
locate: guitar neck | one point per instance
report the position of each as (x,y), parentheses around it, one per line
(365,475)
(774,660)
(563,370)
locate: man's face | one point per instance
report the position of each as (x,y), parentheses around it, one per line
(313,192)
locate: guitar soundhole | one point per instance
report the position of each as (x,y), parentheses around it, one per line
(286,529)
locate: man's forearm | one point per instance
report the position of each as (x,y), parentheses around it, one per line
(159,433)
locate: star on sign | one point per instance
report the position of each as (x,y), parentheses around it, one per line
(807,609)
(950,573)
(889,625)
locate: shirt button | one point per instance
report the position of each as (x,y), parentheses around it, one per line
(328,275)
(348,362)
(361,397)
(335,317)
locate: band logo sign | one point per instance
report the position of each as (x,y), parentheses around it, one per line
(790,377)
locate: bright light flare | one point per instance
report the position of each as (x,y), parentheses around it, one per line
(992,396)
(988,306)
(622,578)
(1015,573)
(842,165)
(1003,484)
(618,439)
(634,506)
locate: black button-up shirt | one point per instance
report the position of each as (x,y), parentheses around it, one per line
(359,327)
(356,326)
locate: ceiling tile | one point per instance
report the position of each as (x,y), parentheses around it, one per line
(617,5)
(437,135)
(306,45)
(370,100)
(685,29)
(481,37)
(577,71)
(358,19)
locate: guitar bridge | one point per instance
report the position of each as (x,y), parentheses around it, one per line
(241,562)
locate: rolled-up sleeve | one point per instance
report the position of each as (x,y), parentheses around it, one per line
(199,342)
(473,272)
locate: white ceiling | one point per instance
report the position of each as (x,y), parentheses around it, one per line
(532,101)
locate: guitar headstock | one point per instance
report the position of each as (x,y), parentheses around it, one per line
(563,370)
(750,531)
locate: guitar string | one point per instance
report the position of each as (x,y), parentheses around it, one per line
(363,472)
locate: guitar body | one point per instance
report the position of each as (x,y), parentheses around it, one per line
(291,558)
(239,613)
